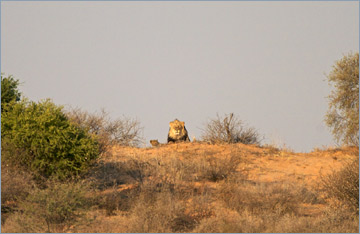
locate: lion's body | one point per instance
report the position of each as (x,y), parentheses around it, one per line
(177,132)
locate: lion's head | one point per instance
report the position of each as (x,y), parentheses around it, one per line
(177,131)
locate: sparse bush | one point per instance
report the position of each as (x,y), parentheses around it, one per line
(22,223)
(229,129)
(16,184)
(107,175)
(168,212)
(155,215)
(215,169)
(52,145)
(228,221)
(55,207)
(277,199)
(114,200)
(344,185)
(123,131)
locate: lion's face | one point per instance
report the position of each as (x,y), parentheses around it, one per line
(177,127)
(177,131)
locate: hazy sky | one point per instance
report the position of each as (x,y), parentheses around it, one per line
(157,61)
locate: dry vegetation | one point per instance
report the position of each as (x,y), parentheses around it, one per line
(191,187)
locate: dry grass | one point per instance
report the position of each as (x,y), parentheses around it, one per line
(196,187)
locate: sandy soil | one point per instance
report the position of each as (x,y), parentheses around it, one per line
(264,164)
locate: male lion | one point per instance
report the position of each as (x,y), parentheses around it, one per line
(177,132)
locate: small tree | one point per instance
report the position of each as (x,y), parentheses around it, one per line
(9,90)
(343,114)
(229,129)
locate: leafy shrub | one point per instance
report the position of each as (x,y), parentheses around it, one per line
(52,144)
(229,129)
(9,91)
(344,185)
(124,131)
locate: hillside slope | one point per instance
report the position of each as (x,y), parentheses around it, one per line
(194,187)
(219,188)
(263,164)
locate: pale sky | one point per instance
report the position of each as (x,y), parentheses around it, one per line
(156,61)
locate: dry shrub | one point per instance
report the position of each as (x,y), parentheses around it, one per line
(16,180)
(167,211)
(170,169)
(52,209)
(344,185)
(309,196)
(23,223)
(214,169)
(125,131)
(330,221)
(97,222)
(258,206)
(229,129)
(111,174)
(271,149)
(245,221)
(277,199)
(16,184)
(115,200)
(106,177)
(164,199)
(228,221)
(156,212)
(240,194)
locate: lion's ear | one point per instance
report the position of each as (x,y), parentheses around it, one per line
(182,123)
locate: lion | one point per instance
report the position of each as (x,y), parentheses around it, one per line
(177,132)
(154,143)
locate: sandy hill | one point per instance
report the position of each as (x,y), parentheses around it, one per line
(220,186)
(199,187)
(263,164)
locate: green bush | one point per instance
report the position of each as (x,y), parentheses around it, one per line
(9,91)
(52,144)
